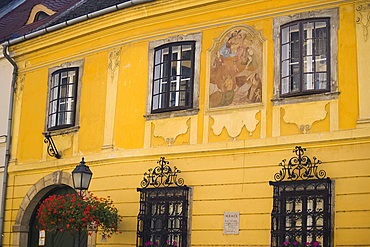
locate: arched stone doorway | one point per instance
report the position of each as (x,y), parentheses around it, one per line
(44,187)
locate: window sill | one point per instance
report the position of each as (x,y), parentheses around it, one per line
(171,114)
(63,131)
(305,98)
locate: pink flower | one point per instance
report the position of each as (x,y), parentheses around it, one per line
(286,243)
(315,244)
(174,243)
(294,243)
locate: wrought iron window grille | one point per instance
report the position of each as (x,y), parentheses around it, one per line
(301,203)
(164,205)
(51,149)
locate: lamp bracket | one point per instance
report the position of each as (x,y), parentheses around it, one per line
(52,149)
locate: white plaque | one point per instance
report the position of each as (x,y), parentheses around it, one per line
(103,238)
(41,241)
(231,222)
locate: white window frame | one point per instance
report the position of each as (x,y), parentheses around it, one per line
(197,37)
(333,14)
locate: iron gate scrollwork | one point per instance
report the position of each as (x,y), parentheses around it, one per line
(301,203)
(164,202)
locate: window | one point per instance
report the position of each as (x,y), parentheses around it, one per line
(173,78)
(301,212)
(41,15)
(62,101)
(163,216)
(305,57)
(62,111)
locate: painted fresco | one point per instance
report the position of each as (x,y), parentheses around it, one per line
(236,69)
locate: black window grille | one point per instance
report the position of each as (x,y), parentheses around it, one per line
(62,99)
(301,212)
(173,77)
(163,216)
(305,57)
(302,203)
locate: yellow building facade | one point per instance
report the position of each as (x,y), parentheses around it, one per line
(257,78)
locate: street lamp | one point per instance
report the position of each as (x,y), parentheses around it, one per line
(81,176)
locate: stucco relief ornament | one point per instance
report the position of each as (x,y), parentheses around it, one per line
(162,175)
(363,18)
(300,167)
(114,61)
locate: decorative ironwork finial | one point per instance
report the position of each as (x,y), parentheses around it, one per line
(52,149)
(300,167)
(162,175)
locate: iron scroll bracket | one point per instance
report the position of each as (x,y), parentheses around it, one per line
(162,175)
(300,167)
(52,149)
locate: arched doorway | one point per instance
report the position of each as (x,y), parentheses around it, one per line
(54,239)
(22,229)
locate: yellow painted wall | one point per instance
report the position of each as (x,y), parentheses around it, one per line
(226,174)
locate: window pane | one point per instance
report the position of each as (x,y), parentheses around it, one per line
(320,30)
(64,78)
(55,80)
(155,102)
(308,29)
(174,101)
(186,52)
(308,47)
(285,35)
(285,68)
(54,93)
(308,82)
(320,46)
(285,52)
(156,87)
(165,54)
(295,84)
(320,63)
(321,81)
(175,68)
(158,56)
(68,118)
(53,107)
(157,71)
(70,104)
(176,52)
(308,64)
(285,85)
(186,68)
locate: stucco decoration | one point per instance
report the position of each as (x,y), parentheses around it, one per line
(236,68)
(305,114)
(363,18)
(114,61)
(169,129)
(235,121)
